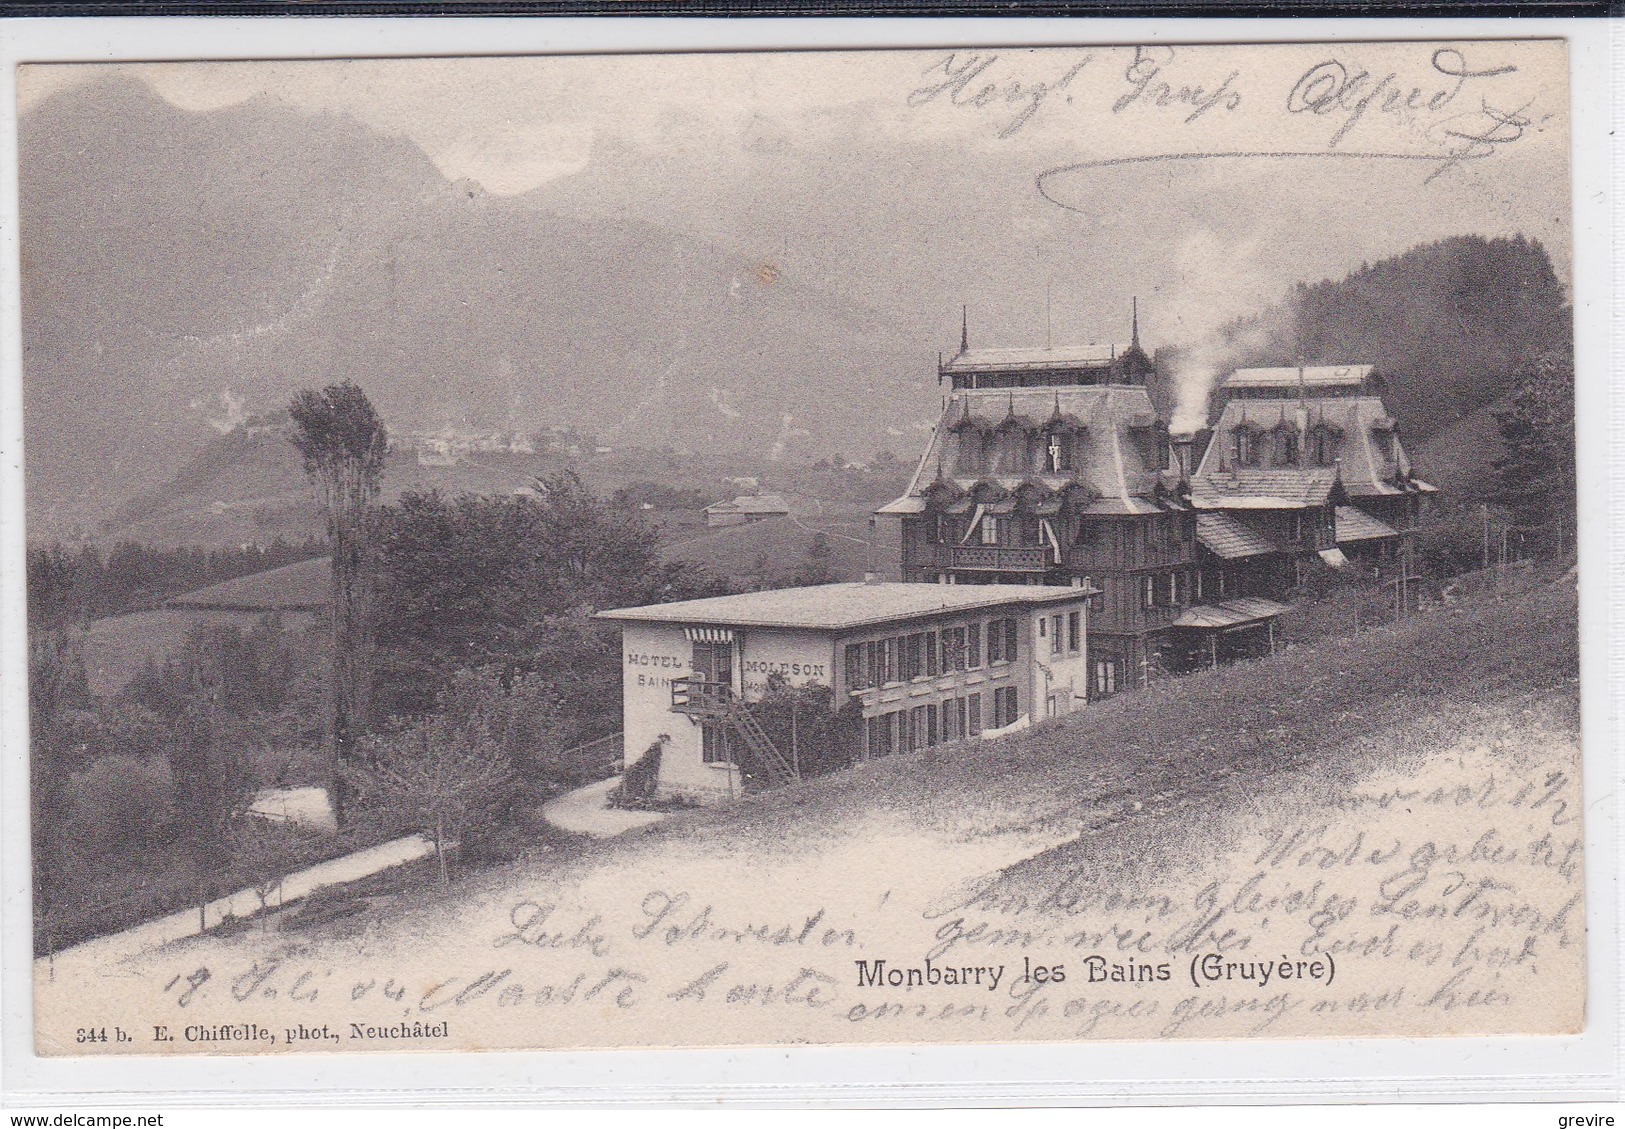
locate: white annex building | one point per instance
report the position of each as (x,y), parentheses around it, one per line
(928,664)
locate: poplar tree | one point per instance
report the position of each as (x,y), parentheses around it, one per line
(342,441)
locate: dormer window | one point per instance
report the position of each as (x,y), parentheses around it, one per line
(1244,445)
(1286,447)
(1058,452)
(1322,446)
(972,451)
(1384,438)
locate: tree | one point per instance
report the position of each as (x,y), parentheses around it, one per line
(448,775)
(1536,476)
(804,725)
(342,441)
(816,568)
(507,581)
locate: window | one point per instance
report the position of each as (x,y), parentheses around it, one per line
(1322,446)
(932,666)
(973,715)
(1097,604)
(714,662)
(990,530)
(1385,442)
(953,719)
(1005,707)
(1001,641)
(714,745)
(1287,448)
(857,667)
(1074,632)
(973,646)
(972,451)
(1106,676)
(1059,452)
(1173,589)
(881,737)
(1056,643)
(1149,594)
(913,660)
(1242,446)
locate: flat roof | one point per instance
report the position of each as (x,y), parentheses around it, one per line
(848,605)
(1061,356)
(1288,376)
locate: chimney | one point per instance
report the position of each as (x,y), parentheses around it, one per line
(1180,447)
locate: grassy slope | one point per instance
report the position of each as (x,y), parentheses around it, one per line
(1259,716)
(118,646)
(780,542)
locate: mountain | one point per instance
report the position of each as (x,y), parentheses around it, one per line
(183,270)
(778,294)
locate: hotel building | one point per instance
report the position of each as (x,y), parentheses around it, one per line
(925,665)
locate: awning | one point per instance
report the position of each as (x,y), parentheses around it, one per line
(1356,525)
(1243,611)
(1230,538)
(709,634)
(1334,557)
(1049,535)
(976,519)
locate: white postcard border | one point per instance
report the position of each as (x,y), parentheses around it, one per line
(1586,1066)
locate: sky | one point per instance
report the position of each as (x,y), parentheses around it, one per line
(515,123)
(1207,179)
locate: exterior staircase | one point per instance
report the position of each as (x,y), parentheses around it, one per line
(717,704)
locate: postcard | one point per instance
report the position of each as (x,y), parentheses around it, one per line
(802,548)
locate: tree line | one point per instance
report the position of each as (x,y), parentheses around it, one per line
(75,585)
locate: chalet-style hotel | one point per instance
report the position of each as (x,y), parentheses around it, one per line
(1056,545)
(927,663)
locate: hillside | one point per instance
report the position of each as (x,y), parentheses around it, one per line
(1446,323)
(1267,807)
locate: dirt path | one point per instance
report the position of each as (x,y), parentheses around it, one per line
(586,811)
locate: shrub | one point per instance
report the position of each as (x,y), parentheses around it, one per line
(120,802)
(637,788)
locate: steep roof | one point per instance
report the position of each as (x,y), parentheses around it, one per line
(1361,466)
(843,606)
(1229,613)
(1227,537)
(750,504)
(1264,488)
(1357,525)
(1115,462)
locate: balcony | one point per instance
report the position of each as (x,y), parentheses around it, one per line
(993,558)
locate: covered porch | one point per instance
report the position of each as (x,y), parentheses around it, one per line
(1239,628)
